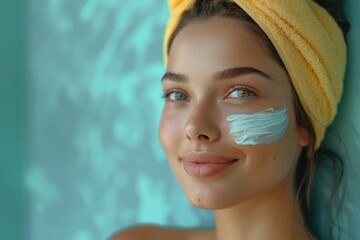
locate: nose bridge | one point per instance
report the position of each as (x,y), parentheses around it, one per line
(203,123)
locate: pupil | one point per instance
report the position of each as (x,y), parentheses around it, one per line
(241,93)
(179,96)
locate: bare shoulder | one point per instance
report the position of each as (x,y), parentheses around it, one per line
(152,232)
(137,233)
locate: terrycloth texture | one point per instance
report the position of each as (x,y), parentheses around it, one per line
(309,42)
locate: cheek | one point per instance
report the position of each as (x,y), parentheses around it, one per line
(170,133)
(268,167)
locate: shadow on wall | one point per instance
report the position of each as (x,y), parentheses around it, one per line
(13,208)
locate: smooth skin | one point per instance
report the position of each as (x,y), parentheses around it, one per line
(218,67)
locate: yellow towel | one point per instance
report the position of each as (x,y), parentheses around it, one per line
(309,42)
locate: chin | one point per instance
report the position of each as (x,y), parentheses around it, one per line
(209,199)
(209,204)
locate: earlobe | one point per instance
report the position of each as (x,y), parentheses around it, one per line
(303,140)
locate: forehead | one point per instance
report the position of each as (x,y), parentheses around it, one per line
(217,42)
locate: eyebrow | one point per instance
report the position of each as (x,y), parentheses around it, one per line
(222,75)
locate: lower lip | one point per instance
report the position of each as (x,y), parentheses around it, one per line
(203,170)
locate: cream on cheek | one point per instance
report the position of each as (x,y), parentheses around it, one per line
(268,126)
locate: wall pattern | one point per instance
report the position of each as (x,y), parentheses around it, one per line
(95,164)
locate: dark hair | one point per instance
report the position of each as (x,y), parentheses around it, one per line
(309,158)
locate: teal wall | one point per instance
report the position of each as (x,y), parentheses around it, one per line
(80,100)
(13,90)
(95,163)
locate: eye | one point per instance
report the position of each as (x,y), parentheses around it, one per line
(239,92)
(175,96)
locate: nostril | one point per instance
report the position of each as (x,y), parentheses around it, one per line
(203,137)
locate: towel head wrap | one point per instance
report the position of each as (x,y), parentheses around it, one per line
(309,42)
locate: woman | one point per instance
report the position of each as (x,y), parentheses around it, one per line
(250,87)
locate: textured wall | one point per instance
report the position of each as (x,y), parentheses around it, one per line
(94,163)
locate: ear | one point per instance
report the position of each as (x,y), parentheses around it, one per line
(303,139)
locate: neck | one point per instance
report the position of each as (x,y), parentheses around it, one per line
(269,216)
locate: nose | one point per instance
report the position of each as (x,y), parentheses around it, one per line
(202,125)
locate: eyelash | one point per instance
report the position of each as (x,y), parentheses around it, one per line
(166,95)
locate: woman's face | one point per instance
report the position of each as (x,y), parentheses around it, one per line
(218,68)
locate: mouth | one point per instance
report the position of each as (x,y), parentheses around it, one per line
(205,164)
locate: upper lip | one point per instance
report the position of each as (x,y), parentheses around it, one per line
(205,157)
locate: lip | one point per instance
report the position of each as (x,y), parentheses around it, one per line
(205,164)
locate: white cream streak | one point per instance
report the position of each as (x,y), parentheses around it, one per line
(263,127)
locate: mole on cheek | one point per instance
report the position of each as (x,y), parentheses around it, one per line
(275,156)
